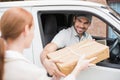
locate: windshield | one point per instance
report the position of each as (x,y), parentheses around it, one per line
(114,13)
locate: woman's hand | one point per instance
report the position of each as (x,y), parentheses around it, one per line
(82,64)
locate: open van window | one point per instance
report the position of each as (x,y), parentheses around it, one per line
(52,22)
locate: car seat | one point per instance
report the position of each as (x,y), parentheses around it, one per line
(50,28)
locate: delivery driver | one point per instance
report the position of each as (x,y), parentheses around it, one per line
(66,37)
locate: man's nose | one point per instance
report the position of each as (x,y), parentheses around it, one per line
(81,25)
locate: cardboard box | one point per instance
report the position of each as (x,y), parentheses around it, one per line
(70,55)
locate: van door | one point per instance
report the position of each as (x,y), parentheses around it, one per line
(63,17)
(37,45)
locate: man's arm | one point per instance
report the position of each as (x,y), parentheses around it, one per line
(50,64)
(51,47)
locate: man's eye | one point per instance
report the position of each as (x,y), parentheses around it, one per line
(79,20)
(86,23)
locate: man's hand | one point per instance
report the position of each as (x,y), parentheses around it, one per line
(52,68)
(49,64)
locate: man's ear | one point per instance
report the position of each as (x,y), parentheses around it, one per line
(73,20)
(26,30)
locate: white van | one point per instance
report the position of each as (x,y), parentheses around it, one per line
(52,16)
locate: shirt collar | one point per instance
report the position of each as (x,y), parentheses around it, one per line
(74,31)
(76,34)
(14,55)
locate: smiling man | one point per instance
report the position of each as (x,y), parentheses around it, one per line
(66,37)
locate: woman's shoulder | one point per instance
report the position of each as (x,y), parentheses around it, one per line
(23,67)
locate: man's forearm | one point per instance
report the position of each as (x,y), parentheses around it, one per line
(51,47)
(43,56)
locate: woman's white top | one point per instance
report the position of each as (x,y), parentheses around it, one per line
(17,67)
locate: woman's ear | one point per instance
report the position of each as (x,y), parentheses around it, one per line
(26,30)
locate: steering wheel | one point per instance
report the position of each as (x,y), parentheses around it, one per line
(115,52)
(114,44)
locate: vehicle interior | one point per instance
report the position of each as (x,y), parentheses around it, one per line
(52,23)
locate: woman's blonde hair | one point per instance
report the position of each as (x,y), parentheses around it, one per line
(13,22)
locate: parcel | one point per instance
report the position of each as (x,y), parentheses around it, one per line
(70,55)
